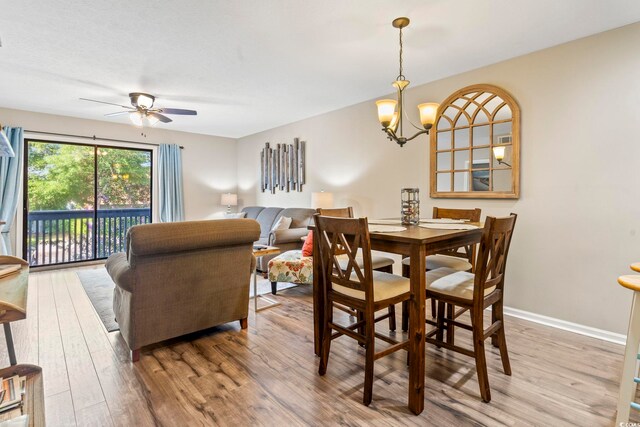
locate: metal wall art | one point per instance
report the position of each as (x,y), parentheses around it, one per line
(282,166)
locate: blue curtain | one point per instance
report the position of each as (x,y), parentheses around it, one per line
(170,183)
(10,184)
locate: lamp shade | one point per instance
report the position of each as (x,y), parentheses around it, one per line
(428,114)
(5,146)
(322,200)
(386,110)
(229,199)
(498,153)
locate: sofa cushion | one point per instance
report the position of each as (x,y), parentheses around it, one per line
(252,211)
(282,223)
(307,246)
(266,218)
(231,215)
(300,217)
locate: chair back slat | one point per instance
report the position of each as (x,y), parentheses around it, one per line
(472,215)
(336,212)
(492,254)
(339,240)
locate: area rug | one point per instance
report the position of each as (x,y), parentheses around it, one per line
(99,288)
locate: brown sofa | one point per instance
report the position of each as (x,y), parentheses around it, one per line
(286,240)
(182,277)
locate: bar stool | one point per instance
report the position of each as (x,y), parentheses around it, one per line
(629,379)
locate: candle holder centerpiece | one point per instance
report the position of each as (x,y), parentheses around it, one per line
(410,206)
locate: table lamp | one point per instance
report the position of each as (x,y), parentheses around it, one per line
(229,199)
(322,200)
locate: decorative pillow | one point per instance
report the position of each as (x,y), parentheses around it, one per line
(282,224)
(235,215)
(307,247)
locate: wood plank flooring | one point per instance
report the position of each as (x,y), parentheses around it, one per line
(267,375)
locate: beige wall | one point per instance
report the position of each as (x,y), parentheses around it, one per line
(579,211)
(209,162)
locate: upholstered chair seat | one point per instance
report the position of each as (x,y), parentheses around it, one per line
(434,262)
(448,281)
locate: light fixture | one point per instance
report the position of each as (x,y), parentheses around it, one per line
(498,153)
(229,199)
(142,100)
(136,118)
(390,117)
(322,200)
(5,145)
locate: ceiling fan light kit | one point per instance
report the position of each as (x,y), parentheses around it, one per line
(141,112)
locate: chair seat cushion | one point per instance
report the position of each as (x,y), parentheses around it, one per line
(438,261)
(377,261)
(291,267)
(448,281)
(385,286)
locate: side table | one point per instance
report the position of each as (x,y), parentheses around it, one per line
(260,251)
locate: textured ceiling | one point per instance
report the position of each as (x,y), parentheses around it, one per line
(252,65)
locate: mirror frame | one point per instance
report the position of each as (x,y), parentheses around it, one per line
(515,144)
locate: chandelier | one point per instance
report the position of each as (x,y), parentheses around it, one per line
(391,118)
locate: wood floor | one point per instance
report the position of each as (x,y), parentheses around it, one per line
(267,375)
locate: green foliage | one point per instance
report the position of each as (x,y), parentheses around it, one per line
(61,176)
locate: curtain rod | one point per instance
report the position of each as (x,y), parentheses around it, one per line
(94,138)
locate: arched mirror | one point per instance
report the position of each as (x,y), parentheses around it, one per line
(475,145)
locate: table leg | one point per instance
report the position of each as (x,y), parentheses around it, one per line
(318,299)
(417,329)
(10,348)
(270,302)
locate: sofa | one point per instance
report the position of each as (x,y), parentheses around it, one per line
(286,240)
(182,277)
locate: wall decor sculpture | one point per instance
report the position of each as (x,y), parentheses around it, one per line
(282,166)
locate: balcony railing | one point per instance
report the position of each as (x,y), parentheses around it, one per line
(55,237)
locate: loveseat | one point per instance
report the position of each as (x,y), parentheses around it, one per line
(182,277)
(286,240)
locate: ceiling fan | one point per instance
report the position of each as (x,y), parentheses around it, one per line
(141,111)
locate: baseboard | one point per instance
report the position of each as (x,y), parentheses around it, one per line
(567,326)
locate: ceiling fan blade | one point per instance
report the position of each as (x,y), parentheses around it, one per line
(117,113)
(108,103)
(163,119)
(178,111)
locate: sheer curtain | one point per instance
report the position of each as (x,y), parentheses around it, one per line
(170,183)
(10,183)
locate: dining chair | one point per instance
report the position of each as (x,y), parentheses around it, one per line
(378,262)
(453,258)
(475,292)
(357,286)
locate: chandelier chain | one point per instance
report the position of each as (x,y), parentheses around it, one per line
(401,76)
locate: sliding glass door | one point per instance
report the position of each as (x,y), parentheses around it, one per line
(80,200)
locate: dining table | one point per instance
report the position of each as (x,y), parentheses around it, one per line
(415,242)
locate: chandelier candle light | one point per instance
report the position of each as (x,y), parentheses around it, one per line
(391,118)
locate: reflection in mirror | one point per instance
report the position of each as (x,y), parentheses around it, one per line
(502,179)
(461,159)
(506,161)
(481,158)
(493,104)
(461,138)
(444,161)
(460,181)
(502,133)
(462,120)
(444,140)
(481,135)
(481,117)
(444,182)
(503,113)
(444,123)
(480,180)
(476,126)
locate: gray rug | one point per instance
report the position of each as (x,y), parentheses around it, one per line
(99,288)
